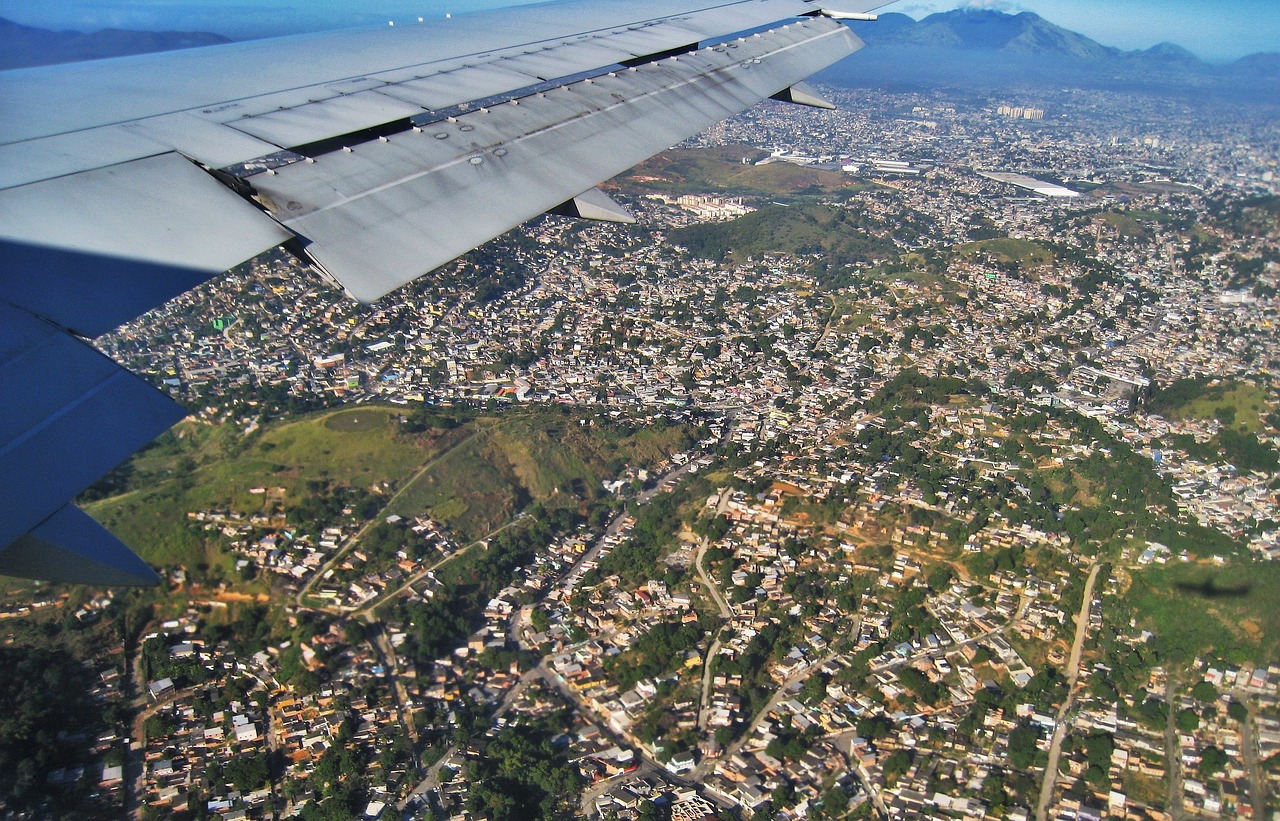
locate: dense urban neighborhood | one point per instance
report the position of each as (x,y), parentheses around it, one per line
(870,475)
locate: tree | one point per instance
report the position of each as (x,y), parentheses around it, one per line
(1188,720)
(1204,691)
(1099,748)
(1212,761)
(1238,711)
(1153,712)
(248,772)
(1022,746)
(898,762)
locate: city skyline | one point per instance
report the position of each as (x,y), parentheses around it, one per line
(1214,32)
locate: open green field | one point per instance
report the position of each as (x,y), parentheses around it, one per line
(542,456)
(844,236)
(1236,404)
(1227,611)
(1025,253)
(198,467)
(473,477)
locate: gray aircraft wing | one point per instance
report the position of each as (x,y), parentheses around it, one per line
(375,154)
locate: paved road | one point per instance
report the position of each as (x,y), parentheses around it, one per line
(1073,673)
(1253,767)
(1173,755)
(708,663)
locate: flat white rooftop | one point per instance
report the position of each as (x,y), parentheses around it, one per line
(1047,189)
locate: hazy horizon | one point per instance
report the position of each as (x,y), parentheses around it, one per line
(1210,29)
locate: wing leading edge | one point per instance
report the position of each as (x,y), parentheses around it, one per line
(396,155)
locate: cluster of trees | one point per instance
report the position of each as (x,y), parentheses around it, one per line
(791,745)
(339,780)
(910,386)
(523,776)
(324,502)
(1098,748)
(157,663)
(920,686)
(654,531)
(840,237)
(44,693)
(1244,450)
(658,651)
(1168,400)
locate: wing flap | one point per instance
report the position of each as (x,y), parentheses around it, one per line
(335,116)
(388,211)
(95,249)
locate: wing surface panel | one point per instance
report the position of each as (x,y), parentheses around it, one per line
(70,546)
(336,116)
(227,83)
(388,211)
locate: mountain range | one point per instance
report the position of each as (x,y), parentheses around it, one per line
(22,46)
(982,49)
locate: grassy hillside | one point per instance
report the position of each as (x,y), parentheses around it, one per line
(1236,404)
(1025,254)
(1230,609)
(472,477)
(542,456)
(200,467)
(720,170)
(843,235)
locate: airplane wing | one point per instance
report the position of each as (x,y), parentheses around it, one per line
(375,154)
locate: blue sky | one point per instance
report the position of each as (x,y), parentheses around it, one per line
(1214,29)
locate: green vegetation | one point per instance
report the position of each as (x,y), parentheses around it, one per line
(1023,254)
(720,169)
(843,236)
(1257,216)
(1192,608)
(522,776)
(539,455)
(45,693)
(479,472)
(1212,762)
(197,467)
(659,651)
(1239,405)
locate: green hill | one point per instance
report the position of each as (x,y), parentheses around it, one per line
(843,235)
(472,476)
(1023,253)
(720,169)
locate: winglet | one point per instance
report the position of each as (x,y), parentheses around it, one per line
(804,94)
(71,547)
(594,204)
